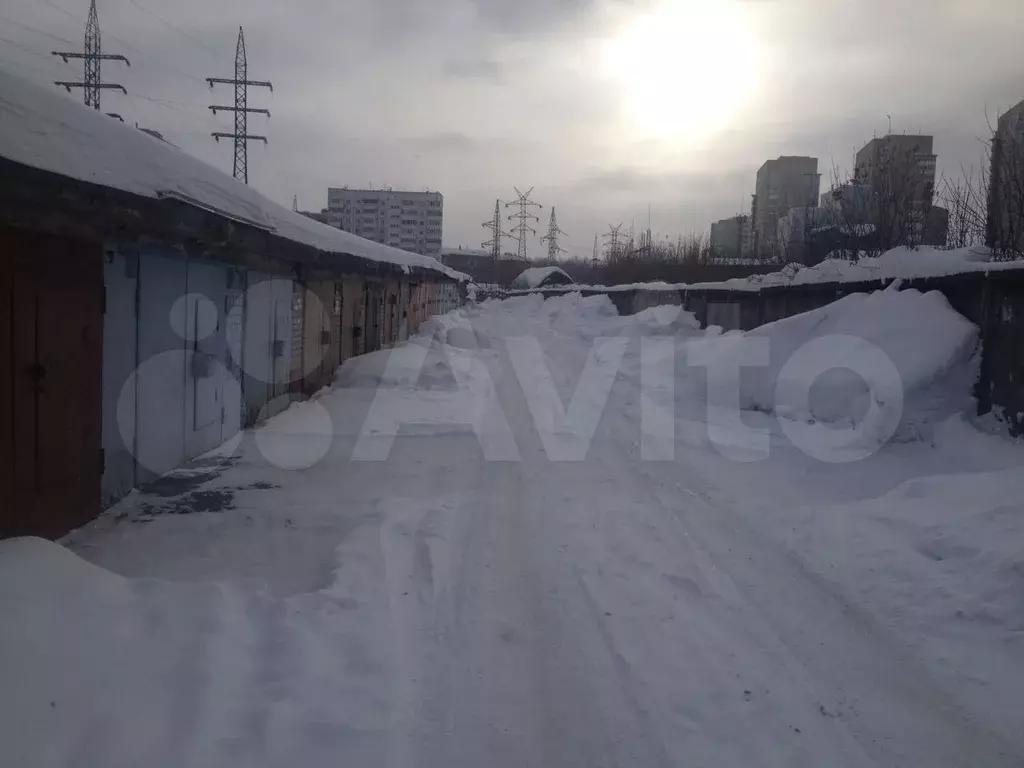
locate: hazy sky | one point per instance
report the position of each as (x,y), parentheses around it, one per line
(606,107)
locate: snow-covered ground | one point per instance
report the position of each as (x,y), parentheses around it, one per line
(679,587)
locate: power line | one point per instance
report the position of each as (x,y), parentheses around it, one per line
(56,7)
(92,82)
(156,63)
(241,109)
(190,116)
(30,28)
(18,45)
(24,66)
(175,27)
(159,64)
(172,102)
(182,132)
(523,228)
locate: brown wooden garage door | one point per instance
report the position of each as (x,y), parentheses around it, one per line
(52,340)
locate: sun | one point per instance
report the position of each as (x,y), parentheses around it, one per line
(684,67)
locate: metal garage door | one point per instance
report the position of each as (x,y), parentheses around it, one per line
(54,288)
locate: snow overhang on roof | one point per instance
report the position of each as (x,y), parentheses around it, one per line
(43,129)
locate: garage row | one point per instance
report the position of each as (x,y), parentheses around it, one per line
(127,361)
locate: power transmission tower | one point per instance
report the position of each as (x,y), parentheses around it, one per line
(295,202)
(523,228)
(241,109)
(92,83)
(612,245)
(594,258)
(494,226)
(554,232)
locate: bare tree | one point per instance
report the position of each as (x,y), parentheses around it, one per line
(966,199)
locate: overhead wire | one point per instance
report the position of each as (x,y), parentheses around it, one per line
(47,55)
(147,60)
(176,28)
(36,30)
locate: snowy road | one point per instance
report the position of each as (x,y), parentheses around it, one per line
(439,609)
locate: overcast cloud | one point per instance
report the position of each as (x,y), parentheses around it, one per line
(606,107)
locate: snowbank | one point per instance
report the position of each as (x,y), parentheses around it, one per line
(396,367)
(41,128)
(442,335)
(898,349)
(586,316)
(939,559)
(454,329)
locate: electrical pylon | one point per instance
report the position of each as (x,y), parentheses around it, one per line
(92,83)
(554,232)
(523,228)
(594,258)
(241,109)
(612,245)
(494,226)
(295,202)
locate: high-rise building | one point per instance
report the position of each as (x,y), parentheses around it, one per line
(731,238)
(785,183)
(411,221)
(1005,225)
(898,166)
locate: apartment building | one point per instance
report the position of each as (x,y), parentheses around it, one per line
(731,238)
(411,221)
(899,165)
(784,183)
(1005,226)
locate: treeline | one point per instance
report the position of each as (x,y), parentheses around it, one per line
(687,259)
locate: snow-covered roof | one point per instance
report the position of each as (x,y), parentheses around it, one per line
(44,129)
(460,251)
(899,263)
(535,276)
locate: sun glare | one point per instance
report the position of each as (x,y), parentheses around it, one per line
(685,68)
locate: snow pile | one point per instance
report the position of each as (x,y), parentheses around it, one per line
(872,362)
(424,358)
(940,559)
(666,320)
(526,303)
(535,277)
(959,540)
(398,366)
(44,129)
(455,330)
(587,316)
(101,670)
